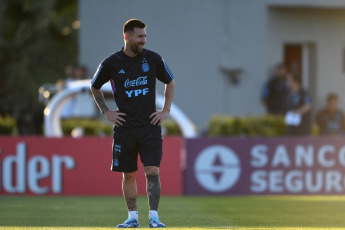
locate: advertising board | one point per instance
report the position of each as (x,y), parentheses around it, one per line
(253,166)
(76,166)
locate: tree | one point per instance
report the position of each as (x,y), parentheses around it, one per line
(37,40)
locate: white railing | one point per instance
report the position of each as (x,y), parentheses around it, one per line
(52,113)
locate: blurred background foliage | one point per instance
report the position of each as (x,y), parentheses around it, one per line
(97,127)
(7,125)
(38,38)
(263,126)
(250,126)
(170,127)
(90,127)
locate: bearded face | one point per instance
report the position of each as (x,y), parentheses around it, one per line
(137,47)
(135,40)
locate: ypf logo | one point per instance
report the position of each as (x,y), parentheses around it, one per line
(217,168)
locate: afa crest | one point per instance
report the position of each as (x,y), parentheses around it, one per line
(145,66)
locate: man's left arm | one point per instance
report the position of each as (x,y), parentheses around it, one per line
(306,107)
(159,116)
(303,109)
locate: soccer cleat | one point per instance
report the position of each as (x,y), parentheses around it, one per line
(129,223)
(154,222)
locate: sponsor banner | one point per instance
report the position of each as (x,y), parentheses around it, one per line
(69,166)
(257,166)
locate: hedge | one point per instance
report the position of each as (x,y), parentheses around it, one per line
(7,125)
(219,125)
(250,126)
(91,127)
(266,126)
(95,127)
(171,128)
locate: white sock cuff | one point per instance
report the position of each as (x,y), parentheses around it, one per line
(133,214)
(153,213)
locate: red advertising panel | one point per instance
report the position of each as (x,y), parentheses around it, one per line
(256,166)
(69,166)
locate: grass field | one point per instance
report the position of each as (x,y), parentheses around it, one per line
(258,212)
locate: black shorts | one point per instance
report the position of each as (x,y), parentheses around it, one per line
(147,141)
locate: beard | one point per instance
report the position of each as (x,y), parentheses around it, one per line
(136,48)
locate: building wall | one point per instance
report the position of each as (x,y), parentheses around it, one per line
(197,37)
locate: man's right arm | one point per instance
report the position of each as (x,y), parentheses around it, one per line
(99,99)
(111,115)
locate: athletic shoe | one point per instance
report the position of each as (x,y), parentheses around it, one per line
(129,223)
(154,222)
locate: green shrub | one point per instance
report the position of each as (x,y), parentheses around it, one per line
(7,125)
(265,126)
(271,126)
(94,127)
(171,127)
(315,130)
(91,127)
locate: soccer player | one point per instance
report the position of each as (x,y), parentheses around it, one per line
(132,73)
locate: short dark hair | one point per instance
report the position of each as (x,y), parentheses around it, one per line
(131,24)
(331,96)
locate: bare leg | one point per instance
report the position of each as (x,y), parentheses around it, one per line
(153,186)
(130,191)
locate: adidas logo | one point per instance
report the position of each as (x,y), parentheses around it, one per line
(121,71)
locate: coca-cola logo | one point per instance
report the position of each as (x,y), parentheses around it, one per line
(136,82)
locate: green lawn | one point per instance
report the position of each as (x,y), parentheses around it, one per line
(252,212)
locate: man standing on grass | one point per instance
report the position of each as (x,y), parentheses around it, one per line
(132,73)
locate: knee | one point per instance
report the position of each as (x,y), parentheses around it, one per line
(129,176)
(151,170)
